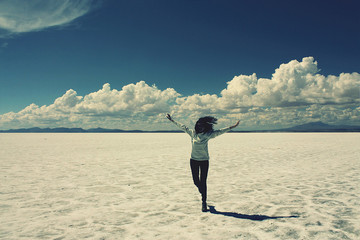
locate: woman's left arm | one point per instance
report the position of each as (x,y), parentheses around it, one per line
(180,125)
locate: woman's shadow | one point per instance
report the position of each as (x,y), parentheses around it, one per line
(245,216)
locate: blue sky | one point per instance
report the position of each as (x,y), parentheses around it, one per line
(189,58)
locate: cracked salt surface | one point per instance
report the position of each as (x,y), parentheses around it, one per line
(139,186)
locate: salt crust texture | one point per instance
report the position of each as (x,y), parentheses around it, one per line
(138,186)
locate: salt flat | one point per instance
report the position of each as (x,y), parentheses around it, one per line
(139,186)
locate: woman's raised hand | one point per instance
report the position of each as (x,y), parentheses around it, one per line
(236,124)
(168,117)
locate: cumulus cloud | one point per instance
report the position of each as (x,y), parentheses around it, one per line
(296,93)
(19,16)
(131,101)
(293,84)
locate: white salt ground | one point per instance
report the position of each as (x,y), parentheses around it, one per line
(139,186)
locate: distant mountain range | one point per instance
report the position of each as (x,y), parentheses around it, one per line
(320,127)
(75,130)
(308,127)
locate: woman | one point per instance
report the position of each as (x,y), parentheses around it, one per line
(199,161)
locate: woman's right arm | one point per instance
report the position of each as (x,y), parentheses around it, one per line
(223,130)
(235,125)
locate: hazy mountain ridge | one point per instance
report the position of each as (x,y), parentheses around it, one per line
(76,130)
(321,127)
(308,127)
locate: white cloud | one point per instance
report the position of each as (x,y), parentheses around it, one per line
(19,16)
(134,101)
(295,94)
(131,100)
(293,83)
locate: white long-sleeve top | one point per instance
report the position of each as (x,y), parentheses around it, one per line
(199,142)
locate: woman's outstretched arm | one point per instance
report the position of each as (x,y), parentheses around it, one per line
(235,125)
(169,117)
(224,130)
(180,125)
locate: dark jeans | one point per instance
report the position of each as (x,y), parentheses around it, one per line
(201,167)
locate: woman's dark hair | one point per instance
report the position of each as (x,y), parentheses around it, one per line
(205,124)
